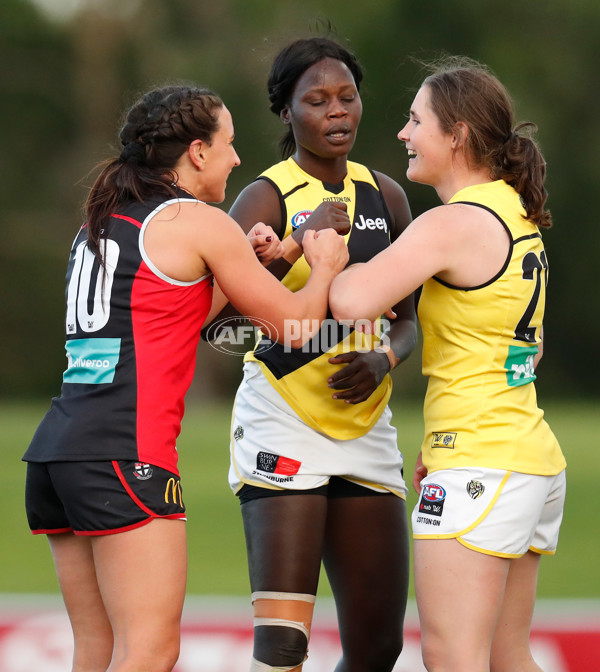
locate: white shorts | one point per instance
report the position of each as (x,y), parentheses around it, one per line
(271,447)
(503,513)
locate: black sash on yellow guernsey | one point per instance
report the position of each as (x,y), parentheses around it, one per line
(479,347)
(300,376)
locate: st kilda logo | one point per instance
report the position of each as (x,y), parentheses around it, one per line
(432,499)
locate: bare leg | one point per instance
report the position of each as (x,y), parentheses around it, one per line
(510,647)
(92,632)
(142,578)
(459,593)
(366,557)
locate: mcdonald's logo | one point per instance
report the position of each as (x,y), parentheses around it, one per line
(174,489)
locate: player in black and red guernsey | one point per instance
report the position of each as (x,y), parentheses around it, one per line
(152,262)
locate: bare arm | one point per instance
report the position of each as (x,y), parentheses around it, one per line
(259,202)
(364,371)
(251,288)
(540,352)
(189,240)
(456,243)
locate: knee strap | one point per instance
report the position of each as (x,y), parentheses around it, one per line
(288,610)
(292,610)
(257,666)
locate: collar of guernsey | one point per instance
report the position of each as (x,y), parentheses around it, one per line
(300,376)
(480,407)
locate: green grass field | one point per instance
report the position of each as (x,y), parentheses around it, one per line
(216,544)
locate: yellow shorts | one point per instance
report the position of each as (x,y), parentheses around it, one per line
(503,513)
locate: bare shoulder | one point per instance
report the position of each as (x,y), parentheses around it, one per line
(396,201)
(387,183)
(470,242)
(456,219)
(257,202)
(475,223)
(196,214)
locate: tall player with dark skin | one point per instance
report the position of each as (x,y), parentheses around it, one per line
(345,505)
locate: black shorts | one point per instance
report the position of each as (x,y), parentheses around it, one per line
(93,498)
(335,489)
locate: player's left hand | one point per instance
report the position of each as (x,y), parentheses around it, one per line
(360,377)
(265,243)
(419,473)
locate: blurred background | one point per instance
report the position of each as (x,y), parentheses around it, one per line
(68,71)
(70,68)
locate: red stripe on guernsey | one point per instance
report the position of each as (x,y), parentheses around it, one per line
(128,219)
(287,466)
(166,321)
(129,491)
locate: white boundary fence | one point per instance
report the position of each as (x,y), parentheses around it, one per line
(35,636)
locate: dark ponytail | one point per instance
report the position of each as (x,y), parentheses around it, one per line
(520,163)
(158,129)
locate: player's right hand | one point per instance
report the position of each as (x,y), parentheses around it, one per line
(325,249)
(328,215)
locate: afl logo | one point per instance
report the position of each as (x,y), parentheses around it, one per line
(433,493)
(300,217)
(237,335)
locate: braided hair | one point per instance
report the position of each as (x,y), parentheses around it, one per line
(157,130)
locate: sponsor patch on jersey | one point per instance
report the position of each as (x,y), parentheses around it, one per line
(92,361)
(300,217)
(519,365)
(277,464)
(443,439)
(370,224)
(142,471)
(432,499)
(475,489)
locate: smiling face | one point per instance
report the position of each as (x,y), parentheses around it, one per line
(430,150)
(220,159)
(324,112)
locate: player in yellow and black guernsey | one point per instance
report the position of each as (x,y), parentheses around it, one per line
(491,475)
(314,456)
(293,372)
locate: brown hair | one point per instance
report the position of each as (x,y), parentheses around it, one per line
(463,90)
(158,129)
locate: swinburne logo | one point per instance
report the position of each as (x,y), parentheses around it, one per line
(173,491)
